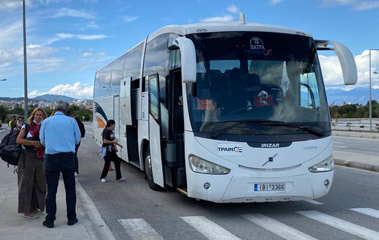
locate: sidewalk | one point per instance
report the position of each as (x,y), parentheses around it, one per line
(13,226)
(355,160)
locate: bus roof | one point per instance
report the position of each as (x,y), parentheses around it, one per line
(217,27)
(224,27)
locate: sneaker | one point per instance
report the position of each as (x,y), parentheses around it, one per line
(48,224)
(39,212)
(31,215)
(121,179)
(103,180)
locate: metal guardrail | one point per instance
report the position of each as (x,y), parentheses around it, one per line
(355,124)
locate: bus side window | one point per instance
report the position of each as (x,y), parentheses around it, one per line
(145,84)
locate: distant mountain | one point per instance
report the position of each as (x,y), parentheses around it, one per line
(357,95)
(11,99)
(53,98)
(46,98)
(335,97)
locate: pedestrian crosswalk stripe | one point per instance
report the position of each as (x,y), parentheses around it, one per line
(139,229)
(313,202)
(276,227)
(367,211)
(209,229)
(341,224)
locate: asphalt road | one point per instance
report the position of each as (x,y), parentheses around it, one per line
(133,211)
(356,145)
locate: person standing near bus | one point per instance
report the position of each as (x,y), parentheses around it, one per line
(59,134)
(110,143)
(30,170)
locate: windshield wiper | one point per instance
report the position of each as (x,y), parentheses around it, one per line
(292,125)
(268,123)
(225,129)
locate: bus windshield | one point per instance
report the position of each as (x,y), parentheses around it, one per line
(257,83)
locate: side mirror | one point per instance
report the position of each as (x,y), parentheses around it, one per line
(346,58)
(187,58)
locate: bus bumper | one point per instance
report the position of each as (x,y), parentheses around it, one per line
(239,189)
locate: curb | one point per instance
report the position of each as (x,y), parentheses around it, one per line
(100,228)
(363,166)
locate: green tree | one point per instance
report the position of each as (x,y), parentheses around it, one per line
(3,112)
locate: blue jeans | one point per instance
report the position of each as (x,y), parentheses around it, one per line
(54,165)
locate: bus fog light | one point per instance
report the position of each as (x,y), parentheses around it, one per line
(207,185)
(326,182)
(200,165)
(324,166)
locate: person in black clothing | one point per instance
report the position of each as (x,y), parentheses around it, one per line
(82,132)
(110,143)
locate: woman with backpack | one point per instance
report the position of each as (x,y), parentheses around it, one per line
(31,171)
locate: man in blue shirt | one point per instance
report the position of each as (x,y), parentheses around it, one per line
(59,134)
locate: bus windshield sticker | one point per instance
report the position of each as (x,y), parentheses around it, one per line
(229,149)
(257,47)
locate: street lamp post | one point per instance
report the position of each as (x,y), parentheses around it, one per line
(370,106)
(25,65)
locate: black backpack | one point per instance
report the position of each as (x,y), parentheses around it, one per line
(9,150)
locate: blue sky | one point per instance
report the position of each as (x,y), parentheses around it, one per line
(68,40)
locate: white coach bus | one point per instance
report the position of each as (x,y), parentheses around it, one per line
(224,112)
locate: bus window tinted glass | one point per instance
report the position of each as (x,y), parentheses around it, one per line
(253,77)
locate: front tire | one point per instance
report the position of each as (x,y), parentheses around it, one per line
(149,172)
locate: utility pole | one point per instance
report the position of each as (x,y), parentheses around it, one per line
(26,114)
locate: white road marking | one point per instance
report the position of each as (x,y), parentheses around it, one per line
(367,211)
(276,227)
(341,147)
(313,202)
(209,229)
(341,224)
(139,229)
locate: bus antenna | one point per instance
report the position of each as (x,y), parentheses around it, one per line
(242,18)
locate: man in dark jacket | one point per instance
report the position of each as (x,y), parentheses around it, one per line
(82,132)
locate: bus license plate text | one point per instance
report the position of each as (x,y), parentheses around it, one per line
(269,187)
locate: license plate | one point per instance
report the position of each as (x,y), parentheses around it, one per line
(259,187)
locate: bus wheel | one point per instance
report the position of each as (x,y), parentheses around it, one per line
(149,173)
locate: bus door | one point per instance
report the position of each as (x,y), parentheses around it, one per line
(155,130)
(116,115)
(125,114)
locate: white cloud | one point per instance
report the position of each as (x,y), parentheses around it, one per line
(225,18)
(91,54)
(62,36)
(357,5)
(80,36)
(11,5)
(332,72)
(129,19)
(66,12)
(274,2)
(232,8)
(366,5)
(77,90)
(337,2)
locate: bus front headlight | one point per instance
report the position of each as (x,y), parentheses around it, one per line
(200,165)
(324,166)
